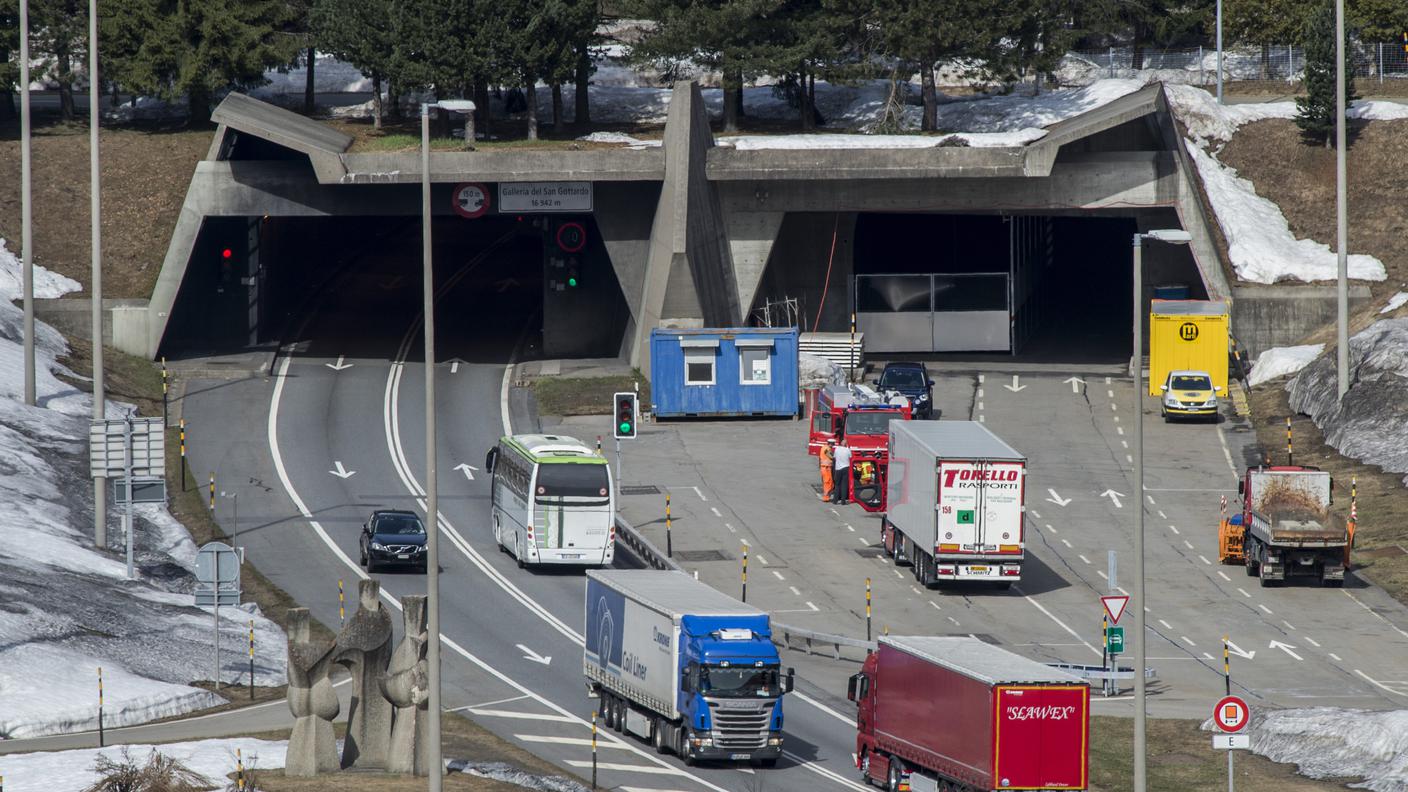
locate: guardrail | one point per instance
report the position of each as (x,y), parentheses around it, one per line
(782,634)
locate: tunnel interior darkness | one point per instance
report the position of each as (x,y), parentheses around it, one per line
(505,283)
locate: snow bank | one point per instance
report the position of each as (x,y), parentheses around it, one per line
(1395,302)
(1371,422)
(72,771)
(1206,119)
(68,608)
(1017,112)
(1337,743)
(502,771)
(1280,361)
(330,75)
(623,139)
(1259,239)
(832,141)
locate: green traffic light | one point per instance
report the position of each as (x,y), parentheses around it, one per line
(572,282)
(625,427)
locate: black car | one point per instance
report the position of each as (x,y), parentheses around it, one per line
(393,538)
(912,381)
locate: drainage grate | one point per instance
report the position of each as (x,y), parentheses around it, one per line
(702,555)
(640,489)
(870,552)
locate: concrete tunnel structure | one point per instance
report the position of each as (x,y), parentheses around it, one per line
(699,234)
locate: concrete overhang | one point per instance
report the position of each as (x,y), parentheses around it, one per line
(323,144)
(726,164)
(1041,154)
(505,165)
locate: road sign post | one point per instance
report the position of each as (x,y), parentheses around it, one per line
(1231,715)
(217,583)
(128,447)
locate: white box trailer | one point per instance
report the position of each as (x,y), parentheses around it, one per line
(956,502)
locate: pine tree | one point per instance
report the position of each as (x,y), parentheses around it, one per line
(358,32)
(1380,20)
(1263,23)
(1146,23)
(9,59)
(59,31)
(1315,112)
(449,47)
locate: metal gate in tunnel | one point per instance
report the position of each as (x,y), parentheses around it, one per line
(967,312)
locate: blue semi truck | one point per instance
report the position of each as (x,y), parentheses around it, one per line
(684,667)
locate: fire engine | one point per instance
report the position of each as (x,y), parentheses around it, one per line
(859,417)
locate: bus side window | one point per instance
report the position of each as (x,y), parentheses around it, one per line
(490,458)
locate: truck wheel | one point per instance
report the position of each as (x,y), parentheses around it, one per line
(685,753)
(1252,561)
(618,714)
(865,769)
(892,776)
(662,744)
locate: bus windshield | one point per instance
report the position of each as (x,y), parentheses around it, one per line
(869,423)
(739,682)
(572,480)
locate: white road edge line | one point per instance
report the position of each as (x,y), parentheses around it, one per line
(1052,616)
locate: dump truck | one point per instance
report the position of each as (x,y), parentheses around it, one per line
(1285,528)
(956,503)
(684,666)
(955,713)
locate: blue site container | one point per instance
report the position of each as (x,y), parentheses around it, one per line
(728,371)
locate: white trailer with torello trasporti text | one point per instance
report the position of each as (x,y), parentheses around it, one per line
(956,502)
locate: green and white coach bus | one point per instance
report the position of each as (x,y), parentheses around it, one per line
(553,499)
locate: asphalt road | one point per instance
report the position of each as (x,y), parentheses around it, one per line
(338,431)
(1295,646)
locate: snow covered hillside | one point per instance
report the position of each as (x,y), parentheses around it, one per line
(68,608)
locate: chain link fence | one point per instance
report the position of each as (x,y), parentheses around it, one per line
(1378,67)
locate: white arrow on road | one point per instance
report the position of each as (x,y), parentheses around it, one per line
(1114,496)
(1076,382)
(467,469)
(1014,387)
(342,472)
(339,365)
(1239,651)
(455,365)
(1057,499)
(1285,648)
(529,654)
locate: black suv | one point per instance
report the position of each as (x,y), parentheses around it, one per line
(911,380)
(393,538)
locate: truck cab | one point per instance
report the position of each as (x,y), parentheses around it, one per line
(859,417)
(731,690)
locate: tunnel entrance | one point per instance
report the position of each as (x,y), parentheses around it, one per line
(975,286)
(539,284)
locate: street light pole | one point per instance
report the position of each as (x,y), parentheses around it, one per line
(26,210)
(1341,209)
(1138,453)
(100,484)
(1219,51)
(432,496)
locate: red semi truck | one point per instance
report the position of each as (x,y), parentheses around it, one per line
(951,713)
(860,417)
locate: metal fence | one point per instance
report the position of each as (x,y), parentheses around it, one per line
(1274,64)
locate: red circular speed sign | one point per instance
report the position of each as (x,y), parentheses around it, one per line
(1231,714)
(571,237)
(471,200)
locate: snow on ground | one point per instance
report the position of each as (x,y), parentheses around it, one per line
(1280,361)
(69,608)
(330,75)
(1325,742)
(1259,239)
(1395,302)
(828,141)
(72,771)
(1206,119)
(1021,111)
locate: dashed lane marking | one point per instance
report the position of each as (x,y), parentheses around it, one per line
(1337,657)
(1067,543)
(778,575)
(1289,626)
(1187,544)
(1052,530)
(1102,575)
(1187,640)
(1223,575)
(1263,607)
(1053,617)
(762,560)
(1244,592)
(715,510)
(1205,559)
(1083,558)
(795,591)
(1166,625)
(627,768)
(1174,528)
(493,713)
(602,742)
(1311,641)
(935,604)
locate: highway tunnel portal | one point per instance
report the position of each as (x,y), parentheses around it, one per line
(953,249)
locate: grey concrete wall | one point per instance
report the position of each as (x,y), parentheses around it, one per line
(750,239)
(1272,316)
(624,215)
(124,321)
(797,268)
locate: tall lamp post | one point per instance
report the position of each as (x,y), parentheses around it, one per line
(1341,212)
(1176,236)
(1219,51)
(26,210)
(100,488)
(436,767)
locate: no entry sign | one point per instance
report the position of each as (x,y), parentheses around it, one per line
(1231,714)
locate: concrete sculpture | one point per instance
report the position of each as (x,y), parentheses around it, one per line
(406,685)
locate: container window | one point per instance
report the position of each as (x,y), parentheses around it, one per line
(699,367)
(755,366)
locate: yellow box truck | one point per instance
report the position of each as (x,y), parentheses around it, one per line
(1187,335)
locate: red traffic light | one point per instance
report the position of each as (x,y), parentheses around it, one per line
(226,253)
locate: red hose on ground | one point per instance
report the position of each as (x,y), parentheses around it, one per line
(826,285)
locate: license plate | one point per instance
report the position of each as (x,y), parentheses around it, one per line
(403,557)
(738,756)
(978,570)
(571,555)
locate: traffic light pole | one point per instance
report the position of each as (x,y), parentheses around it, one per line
(618,467)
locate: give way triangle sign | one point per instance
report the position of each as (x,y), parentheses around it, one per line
(1114,606)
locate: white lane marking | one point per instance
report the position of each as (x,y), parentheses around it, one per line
(342,472)
(1166,625)
(862,540)
(467,469)
(1117,419)
(1107,380)
(1114,406)
(778,575)
(797,694)
(1174,528)
(982,419)
(1240,652)
(1311,641)
(1285,647)
(603,741)
(715,510)
(916,590)
(1035,514)
(454,367)
(627,768)
(825,773)
(646,789)
(1015,387)
(1337,657)
(1162,516)
(1120,429)
(1376,614)
(1083,558)
(1379,684)
(538,716)
(1188,544)
(850,528)
(761,560)
(1226,452)
(935,604)
(1102,575)
(1052,616)
(981,406)
(339,365)
(503,397)
(1263,607)
(1186,640)
(1207,656)
(1124,443)
(980,393)
(898,574)
(955,621)
(1128,458)
(700,494)
(492,703)
(1150,497)
(1223,575)
(833,511)
(813,607)
(1121,590)
(1289,626)
(982,378)
(1205,559)
(730,528)
(1052,530)
(1110,392)
(1244,592)
(1067,543)
(1076,382)
(532,656)
(795,591)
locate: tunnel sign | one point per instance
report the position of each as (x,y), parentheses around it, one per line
(1231,714)
(1188,331)
(471,200)
(545,197)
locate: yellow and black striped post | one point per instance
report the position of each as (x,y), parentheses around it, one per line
(598,445)
(852,359)
(1354,498)
(1290,452)
(1226,668)
(669,541)
(100,706)
(165,387)
(212,493)
(341,604)
(745,573)
(239,770)
(594,748)
(251,659)
(867,609)
(183,454)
